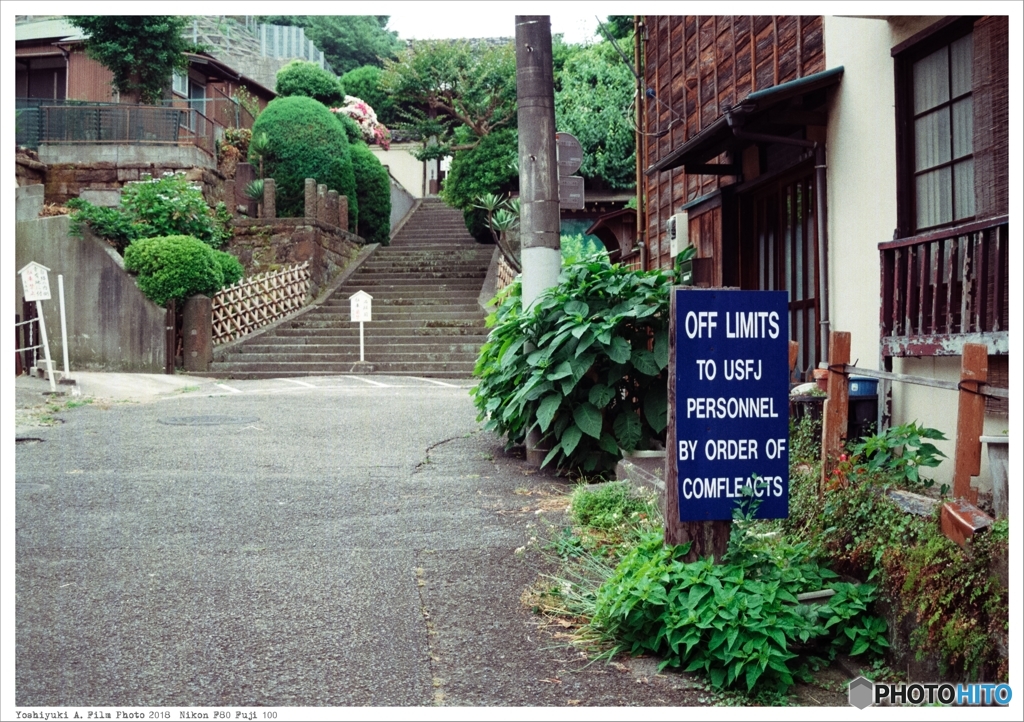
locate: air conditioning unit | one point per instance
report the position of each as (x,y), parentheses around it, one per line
(678,227)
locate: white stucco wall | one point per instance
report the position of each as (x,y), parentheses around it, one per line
(861,156)
(403,166)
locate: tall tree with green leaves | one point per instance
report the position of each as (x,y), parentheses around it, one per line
(594,103)
(347,41)
(445,85)
(142,51)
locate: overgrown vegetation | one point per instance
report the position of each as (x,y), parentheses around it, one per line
(958,598)
(739,623)
(586,365)
(165,206)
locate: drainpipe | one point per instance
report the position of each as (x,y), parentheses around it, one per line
(821,185)
(639,117)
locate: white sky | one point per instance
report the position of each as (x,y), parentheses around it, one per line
(427,20)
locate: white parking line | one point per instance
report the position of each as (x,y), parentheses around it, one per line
(299,383)
(434,381)
(229,388)
(368,381)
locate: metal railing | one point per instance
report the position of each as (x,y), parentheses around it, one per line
(945,288)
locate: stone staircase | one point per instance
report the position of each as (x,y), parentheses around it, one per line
(427,320)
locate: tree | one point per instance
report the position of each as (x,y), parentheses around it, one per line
(309,79)
(141,51)
(364,82)
(447,84)
(595,105)
(347,41)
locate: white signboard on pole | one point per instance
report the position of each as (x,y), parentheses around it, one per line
(35,282)
(361,307)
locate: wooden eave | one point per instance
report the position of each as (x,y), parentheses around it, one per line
(771,110)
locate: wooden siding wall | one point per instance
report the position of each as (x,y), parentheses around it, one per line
(698,66)
(88,79)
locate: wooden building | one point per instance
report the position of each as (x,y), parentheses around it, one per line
(859,163)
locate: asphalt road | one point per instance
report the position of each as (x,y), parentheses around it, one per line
(332,542)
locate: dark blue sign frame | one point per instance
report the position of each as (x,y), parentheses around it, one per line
(731,402)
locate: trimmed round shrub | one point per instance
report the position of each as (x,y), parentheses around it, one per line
(352,131)
(300,77)
(306,141)
(230,267)
(373,188)
(174,267)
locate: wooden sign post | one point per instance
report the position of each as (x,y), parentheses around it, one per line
(361,307)
(36,284)
(728,431)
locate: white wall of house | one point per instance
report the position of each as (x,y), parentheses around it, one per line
(861,156)
(403,166)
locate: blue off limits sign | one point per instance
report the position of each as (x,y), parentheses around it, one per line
(732,402)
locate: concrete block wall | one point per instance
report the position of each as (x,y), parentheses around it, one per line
(111,325)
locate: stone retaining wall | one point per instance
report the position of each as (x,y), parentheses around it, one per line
(68,180)
(269,243)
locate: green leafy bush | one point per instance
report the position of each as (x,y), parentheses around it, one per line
(901,451)
(153,207)
(175,267)
(373,189)
(352,131)
(587,365)
(300,77)
(738,622)
(113,224)
(488,167)
(957,598)
(305,141)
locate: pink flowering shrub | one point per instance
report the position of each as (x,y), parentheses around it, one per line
(374,132)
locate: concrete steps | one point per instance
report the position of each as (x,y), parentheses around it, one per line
(427,320)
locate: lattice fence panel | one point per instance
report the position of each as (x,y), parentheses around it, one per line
(258,300)
(506,274)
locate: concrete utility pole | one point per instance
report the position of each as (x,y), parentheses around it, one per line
(538,166)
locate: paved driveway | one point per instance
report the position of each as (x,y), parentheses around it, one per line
(314,542)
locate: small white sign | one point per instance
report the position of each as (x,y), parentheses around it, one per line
(35,282)
(361,306)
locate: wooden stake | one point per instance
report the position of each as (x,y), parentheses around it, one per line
(836,408)
(970,421)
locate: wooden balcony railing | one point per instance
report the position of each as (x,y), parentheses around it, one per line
(945,288)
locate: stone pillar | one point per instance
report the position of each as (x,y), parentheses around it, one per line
(310,199)
(332,207)
(343,213)
(197,329)
(245,173)
(269,198)
(321,203)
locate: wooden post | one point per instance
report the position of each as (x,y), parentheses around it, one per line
(970,421)
(834,416)
(794,353)
(709,538)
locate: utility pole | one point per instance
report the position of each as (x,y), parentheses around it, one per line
(538,172)
(538,166)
